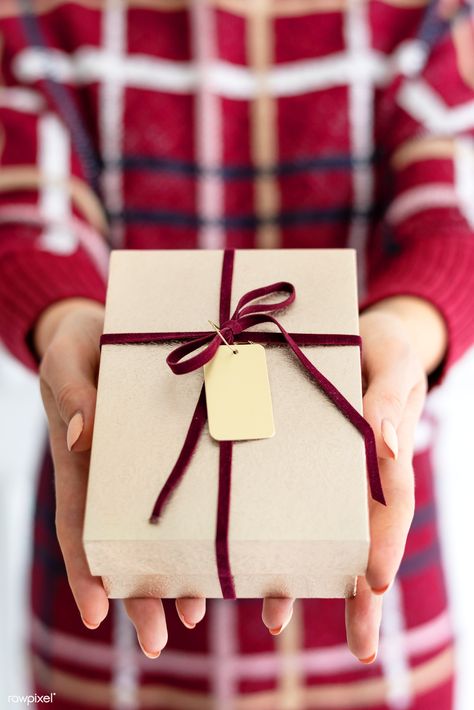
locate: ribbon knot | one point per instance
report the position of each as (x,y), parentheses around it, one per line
(230,329)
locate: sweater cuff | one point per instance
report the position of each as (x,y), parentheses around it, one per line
(31,281)
(441,272)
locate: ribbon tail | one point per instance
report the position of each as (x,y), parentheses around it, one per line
(222,526)
(346,408)
(355,418)
(195,429)
(373,473)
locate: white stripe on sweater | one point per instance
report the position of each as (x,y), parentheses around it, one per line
(23,100)
(361,95)
(393,654)
(223,653)
(464,176)
(208,130)
(54,156)
(419,640)
(421,101)
(111,109)
(429,196)
(89,64)
(125,669)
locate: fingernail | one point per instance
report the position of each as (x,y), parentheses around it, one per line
(389,435)
(149,654)
(186,623)
(278,629)
(90,626)
(368,660)
(380,590)
(74,430)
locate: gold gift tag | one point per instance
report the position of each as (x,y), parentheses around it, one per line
(239,402)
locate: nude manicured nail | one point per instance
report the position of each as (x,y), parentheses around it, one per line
(149,654)
(74,430)
(88,625)
(278,629)
(389,435)
(186,623)
(380,590)
(368,660)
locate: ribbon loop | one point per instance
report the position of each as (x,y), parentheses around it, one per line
(244,308)
(183,367)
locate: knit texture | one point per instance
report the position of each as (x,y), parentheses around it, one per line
(240,123)
(282,126)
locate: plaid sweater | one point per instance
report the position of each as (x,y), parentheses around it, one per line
(266,123)
(244,123)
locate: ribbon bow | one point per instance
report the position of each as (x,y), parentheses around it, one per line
(246,315)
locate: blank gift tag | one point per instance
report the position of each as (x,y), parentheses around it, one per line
(239,402)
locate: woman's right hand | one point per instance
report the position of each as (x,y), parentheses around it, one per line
(67,340)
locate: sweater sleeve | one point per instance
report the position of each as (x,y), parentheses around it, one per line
(52,225)
(424,243)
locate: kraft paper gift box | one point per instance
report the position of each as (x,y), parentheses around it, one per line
(298,501)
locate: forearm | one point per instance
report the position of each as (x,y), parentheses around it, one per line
(424,324)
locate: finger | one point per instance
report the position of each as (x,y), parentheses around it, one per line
(384,403)
(148,617)
(390,524)
(70,488)
(191,611)
(276,614)
(363,616)
(391,378)
(69,370)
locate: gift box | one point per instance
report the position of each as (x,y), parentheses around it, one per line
(173,512)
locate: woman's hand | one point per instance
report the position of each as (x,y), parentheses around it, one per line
(67,340)
(67,337)
(403,339)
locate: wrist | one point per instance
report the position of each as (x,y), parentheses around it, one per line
(423,324)
(51,318)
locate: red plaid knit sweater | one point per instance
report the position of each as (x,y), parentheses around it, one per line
(244,123)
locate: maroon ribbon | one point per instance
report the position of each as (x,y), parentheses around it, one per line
(246,315)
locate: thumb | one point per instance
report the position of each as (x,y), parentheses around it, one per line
(68,370)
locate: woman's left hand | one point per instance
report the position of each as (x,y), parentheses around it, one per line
(403,338)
